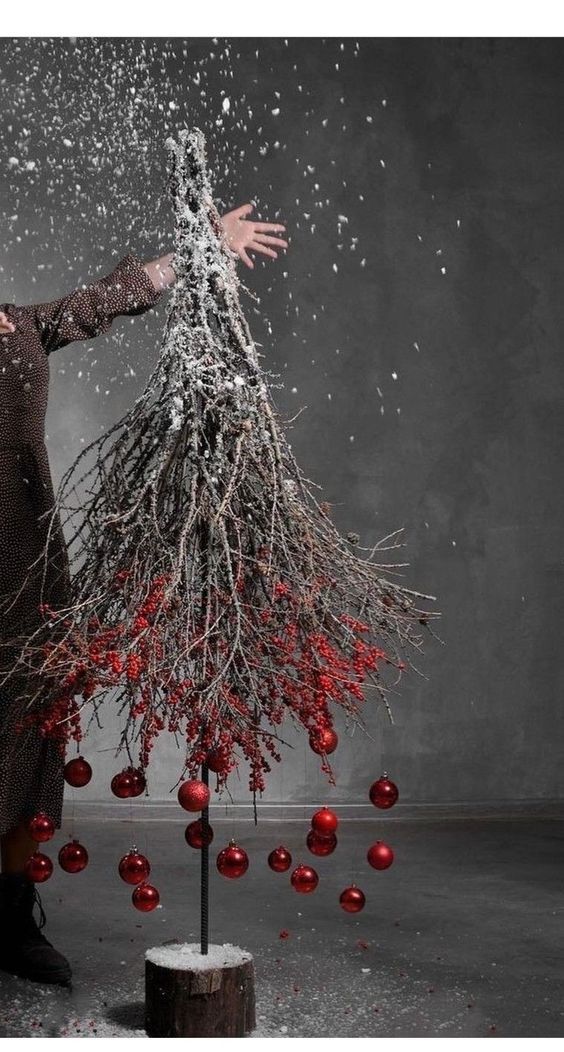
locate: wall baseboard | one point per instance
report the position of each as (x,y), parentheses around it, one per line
(145,810)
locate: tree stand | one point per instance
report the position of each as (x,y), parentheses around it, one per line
(198,990)
(189,994)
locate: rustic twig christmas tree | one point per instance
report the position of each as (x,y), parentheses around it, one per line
(211,588)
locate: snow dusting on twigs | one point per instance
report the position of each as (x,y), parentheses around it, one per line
(211,589)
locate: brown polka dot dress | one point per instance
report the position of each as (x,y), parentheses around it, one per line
(31,767)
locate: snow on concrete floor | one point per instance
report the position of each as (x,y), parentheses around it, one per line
(29,1017)
(290,1003)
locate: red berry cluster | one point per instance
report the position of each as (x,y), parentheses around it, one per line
(297,670)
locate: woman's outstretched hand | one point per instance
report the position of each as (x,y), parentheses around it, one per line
(241,234)
(5,325)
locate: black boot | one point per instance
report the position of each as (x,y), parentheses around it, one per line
(24,951)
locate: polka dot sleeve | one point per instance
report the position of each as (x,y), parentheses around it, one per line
(90,310)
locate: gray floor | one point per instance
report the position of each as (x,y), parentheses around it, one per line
(463,936)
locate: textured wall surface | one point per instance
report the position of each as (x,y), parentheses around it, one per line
(434,399)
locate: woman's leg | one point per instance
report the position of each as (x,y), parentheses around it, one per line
(16,846)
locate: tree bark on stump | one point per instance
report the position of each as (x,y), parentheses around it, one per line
(218,1001)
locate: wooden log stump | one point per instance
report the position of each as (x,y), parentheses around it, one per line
(190,994)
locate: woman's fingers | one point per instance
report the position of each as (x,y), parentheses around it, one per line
(271,240)
(267,226)
(246,259)
(257,247)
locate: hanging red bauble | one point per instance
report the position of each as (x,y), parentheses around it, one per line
(196,835)
(280,859)
(383,793)
(122,784)
(38,867)
(304,879)
(218,760)
(232,861)
(73,857)
(193,795)
(352,899)
(324,741)
(379,855)
(40,827)
(324,822)
(78,772)
(139,781)
(127,783)
(133,867)
(321,845)
(145,898)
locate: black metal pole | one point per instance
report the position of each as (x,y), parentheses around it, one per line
(205,873)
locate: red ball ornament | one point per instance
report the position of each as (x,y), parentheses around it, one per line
(78,772)
(139,781)
(122,784)
(218,760)
(40,827)
(352,899)
(129,782)
(280,859)
(324,822)
(133,867)
(324,741)
(304,879)
(196,835)
(145,898)
(193,795)
(232,861)
(38,867)
(379,855)
(73,857)
(383,793)
(321,845)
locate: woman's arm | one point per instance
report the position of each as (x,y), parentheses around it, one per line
(239,235)
(160,272)
(89,311)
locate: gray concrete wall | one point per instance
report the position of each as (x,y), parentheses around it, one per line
(463,447)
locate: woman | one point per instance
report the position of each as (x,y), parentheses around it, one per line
(31,767)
